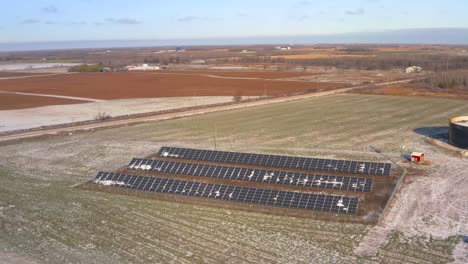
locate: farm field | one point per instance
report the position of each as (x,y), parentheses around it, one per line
(18,119)
(44,219)
(321,56)
(111,86)
(17,101)
(15,74)
(243,74)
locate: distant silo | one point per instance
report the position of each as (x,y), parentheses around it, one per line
(458,131)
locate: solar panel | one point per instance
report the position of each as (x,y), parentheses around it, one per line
(254,175)
(288,199)
(313,164)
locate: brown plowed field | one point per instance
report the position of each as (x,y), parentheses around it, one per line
(16,74)
(16,101)
(143,85)
(245,74)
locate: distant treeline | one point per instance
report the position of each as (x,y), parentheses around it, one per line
(11,58)
(436,63)
(87,68)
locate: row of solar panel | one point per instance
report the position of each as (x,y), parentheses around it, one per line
(254,175)
(318,202)
(312,164)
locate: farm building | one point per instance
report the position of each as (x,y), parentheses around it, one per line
(144,67)
(417,157)
(198,62)
(414,69)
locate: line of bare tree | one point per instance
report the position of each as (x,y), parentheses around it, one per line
(436,63)
(446,80)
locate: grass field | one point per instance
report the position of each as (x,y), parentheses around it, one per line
(44,219)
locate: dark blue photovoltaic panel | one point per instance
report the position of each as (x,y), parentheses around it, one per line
(312,164)
(254,175)
(260,196)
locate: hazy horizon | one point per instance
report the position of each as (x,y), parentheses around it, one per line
(435,36)
(208,22)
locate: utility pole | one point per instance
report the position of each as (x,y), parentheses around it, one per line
(215,134)
(381,153)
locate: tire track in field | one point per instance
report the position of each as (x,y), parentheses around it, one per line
(191,228)
(175,224)
(433,113)
(396,125)
(177,232)
(232,226)
(129,236)
(128,231)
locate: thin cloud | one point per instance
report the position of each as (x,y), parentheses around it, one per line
(50,22)
(30,21)
(187,19)
(303,18)
(79,23)
(357,12)
(50,9)
(123,21)
(304,3)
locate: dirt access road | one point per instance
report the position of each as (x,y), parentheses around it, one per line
(159,117)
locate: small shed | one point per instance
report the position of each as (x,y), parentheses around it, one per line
(417,157)
(413,69)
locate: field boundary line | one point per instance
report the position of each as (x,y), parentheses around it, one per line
(30,76)
(55,96)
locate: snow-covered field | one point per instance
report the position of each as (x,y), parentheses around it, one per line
(43,219)
(33,66)
(62,114)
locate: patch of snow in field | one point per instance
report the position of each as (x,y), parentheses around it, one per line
(30,66)
(63,114)
(111,183)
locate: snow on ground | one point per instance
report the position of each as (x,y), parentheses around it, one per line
(31,66)
(62,114)
(431,205)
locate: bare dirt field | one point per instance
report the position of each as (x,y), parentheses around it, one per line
(44,219)
(16,74)
(111,86)
(16,101)
(245,74)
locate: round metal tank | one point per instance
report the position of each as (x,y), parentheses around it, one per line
(458,131)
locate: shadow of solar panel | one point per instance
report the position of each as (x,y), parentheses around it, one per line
(314,164)
(259,196)
(316,180)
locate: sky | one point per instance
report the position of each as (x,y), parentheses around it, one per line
(76,20)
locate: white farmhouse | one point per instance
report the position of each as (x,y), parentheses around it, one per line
(414,69)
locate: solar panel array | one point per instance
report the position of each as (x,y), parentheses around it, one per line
(254,175)
(313,164)
(288,199)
